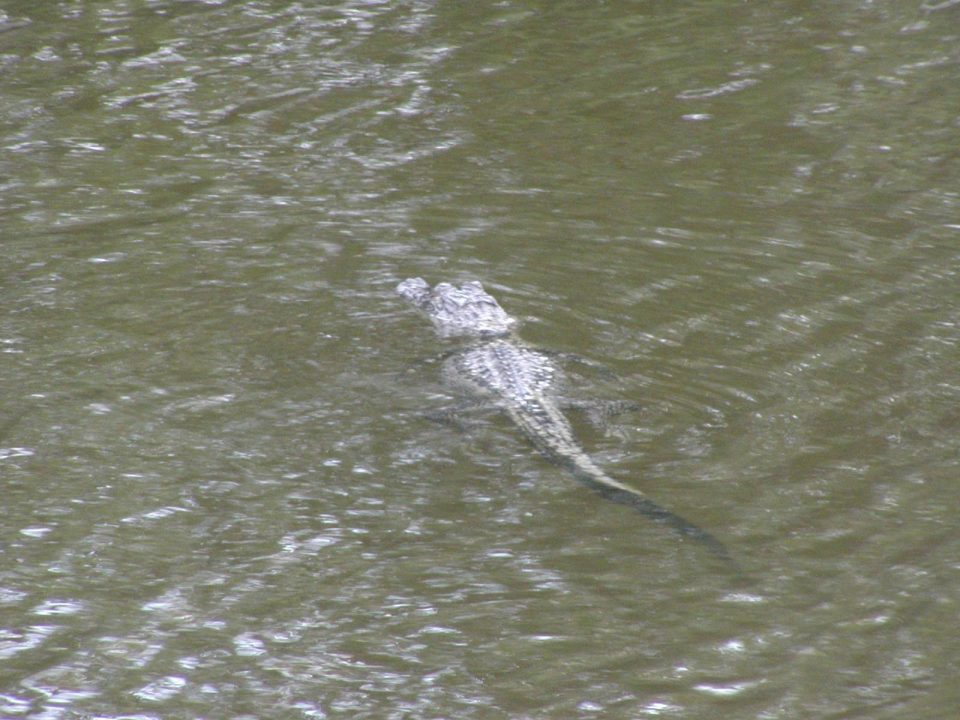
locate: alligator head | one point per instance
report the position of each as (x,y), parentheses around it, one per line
(455,311)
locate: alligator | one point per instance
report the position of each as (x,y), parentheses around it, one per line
(500,371)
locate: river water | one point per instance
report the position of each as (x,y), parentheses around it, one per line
(221,497)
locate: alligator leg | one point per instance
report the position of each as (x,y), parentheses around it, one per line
(599,412)
(438,358)
(575,359)
(453,416)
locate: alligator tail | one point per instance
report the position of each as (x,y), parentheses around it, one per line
(624,495)
(594,478)
(548,430)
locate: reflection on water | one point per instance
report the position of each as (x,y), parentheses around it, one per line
(220,492)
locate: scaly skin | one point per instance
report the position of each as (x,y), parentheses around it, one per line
(522,382)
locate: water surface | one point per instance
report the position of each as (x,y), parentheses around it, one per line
(221,497)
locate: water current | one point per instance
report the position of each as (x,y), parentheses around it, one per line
(220,494)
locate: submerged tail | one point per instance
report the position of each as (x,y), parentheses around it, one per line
(558,446)
(608,488)
(614,491)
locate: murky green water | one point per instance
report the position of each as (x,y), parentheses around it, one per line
(220,496)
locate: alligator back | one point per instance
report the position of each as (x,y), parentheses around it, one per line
(523,382)
(504,370)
